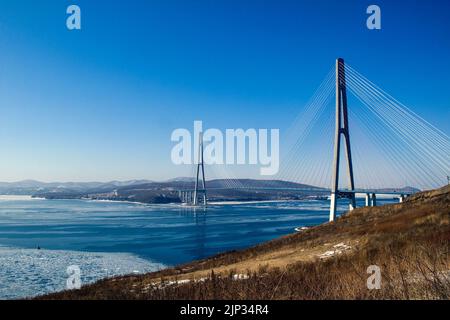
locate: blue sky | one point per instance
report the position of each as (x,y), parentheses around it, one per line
(101,103)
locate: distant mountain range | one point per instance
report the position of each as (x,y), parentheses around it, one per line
(147,191)
(29,187)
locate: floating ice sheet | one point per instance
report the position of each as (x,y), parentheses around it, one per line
(30,272)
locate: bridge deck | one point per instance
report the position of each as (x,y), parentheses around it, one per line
(317,190)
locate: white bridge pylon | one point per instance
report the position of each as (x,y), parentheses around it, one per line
(341,131)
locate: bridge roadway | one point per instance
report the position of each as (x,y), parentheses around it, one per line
(318,190)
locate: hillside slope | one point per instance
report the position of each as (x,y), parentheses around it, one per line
(408,241)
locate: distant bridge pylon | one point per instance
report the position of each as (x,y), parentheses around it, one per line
(200,165)
(191,197)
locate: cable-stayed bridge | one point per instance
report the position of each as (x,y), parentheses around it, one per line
(351,138)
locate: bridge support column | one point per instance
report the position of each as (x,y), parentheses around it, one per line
(368,199)
(374,200)
(333,204)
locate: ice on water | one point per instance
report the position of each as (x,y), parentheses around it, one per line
(30,272)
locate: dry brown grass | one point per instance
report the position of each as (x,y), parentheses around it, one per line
(409,242)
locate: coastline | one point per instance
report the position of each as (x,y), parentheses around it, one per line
(13,197)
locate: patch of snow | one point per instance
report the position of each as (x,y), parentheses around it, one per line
(339,249)
(240,276)
(164,284)
(342,246)
(327,254)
